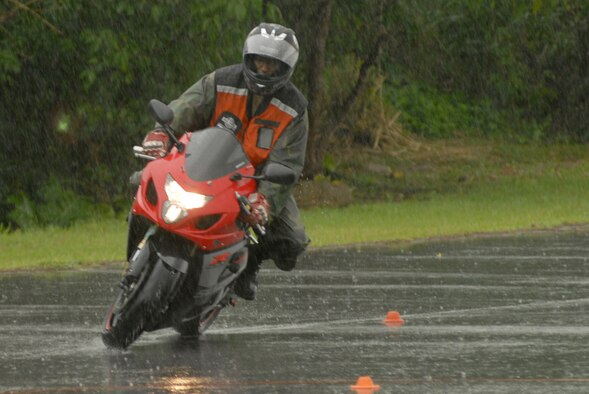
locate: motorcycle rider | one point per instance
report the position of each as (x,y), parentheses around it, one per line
(255,100)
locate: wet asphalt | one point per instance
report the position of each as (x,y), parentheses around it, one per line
(490,315)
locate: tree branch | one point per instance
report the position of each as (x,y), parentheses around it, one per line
(26,8)
(371,60)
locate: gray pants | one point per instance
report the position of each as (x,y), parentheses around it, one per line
(285,238)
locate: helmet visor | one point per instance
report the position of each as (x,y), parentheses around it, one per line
(275,48)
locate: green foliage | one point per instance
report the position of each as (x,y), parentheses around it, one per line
(76,75)
(57,206)
(527,59)
(329,163)
(76,78)
(23,215)
(9,64)
(431,113)
(60,206)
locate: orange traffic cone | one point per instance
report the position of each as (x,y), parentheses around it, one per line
(393,319)
(365,385)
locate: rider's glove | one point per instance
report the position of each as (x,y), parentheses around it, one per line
(259,210)
(156,143)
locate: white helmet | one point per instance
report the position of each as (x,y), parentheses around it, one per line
(273,41)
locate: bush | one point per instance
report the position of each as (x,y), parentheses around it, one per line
(431,113)
(55,205)
(24,213)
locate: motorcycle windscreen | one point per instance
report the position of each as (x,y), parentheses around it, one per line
(213,153)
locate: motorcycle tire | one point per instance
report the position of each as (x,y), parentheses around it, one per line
(141,306)
(194,327)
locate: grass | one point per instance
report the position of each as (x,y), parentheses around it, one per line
(463,188)
(82,244)
(502,206)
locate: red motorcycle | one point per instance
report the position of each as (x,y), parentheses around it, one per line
(187,243)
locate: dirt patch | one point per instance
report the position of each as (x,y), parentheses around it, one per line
(323,193)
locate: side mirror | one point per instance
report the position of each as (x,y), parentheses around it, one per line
(161,112)
(279,173)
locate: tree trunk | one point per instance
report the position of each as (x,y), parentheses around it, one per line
(311,20)
(315,149)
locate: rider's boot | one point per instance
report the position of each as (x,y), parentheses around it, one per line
(246,284)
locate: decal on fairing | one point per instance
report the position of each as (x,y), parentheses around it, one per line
(215,265)
(220,258)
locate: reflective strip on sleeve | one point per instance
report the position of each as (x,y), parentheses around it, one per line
(285,108)
(231,90)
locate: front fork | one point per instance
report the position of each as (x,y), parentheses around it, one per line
(138,260)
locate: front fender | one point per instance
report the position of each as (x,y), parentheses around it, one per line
(159,291)
(175,262)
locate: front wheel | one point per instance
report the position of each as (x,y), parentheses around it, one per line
(124,321)
(197,327)
(141,305)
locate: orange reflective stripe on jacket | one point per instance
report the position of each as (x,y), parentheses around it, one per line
(259,133)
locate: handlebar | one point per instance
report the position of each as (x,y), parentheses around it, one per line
(138,152)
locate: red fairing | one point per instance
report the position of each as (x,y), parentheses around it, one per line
(187,244)
(211,227)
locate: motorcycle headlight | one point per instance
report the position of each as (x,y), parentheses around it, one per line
(172,212)
(180,201)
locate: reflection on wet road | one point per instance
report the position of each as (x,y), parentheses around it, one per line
(504,314)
